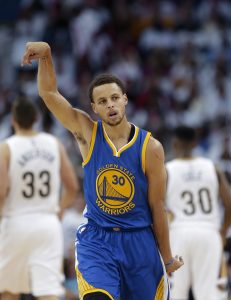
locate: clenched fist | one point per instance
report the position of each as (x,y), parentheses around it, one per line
(174,264)
(35,50)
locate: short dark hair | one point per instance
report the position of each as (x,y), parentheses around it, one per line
(185,133)
(104,79)
(24,112)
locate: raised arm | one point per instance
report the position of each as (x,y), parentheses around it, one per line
(75,120)
(156,175)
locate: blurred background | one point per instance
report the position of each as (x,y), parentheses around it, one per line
(174,57)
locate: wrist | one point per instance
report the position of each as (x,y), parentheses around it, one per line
(169,262)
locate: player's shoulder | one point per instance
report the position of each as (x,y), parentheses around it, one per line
(9,139)
(155,149)
(204,160)
(155,144)
(47,136)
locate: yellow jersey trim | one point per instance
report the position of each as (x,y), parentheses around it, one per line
(143,155)
(113,147)
(85,288)
(110,143)
(131,142)
(160,290)
(91,144)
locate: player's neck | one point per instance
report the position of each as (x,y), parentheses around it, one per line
(185,155)
(26,132)
(120,131)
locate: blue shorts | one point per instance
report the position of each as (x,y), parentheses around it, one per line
(125,265)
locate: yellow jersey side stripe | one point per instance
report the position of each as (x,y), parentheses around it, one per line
(91,144)
(160,290)
(85,288)
(144,151)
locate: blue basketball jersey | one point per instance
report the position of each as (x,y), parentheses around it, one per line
(115,185)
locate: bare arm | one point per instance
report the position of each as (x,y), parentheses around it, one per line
(70,183)
(75,120)
(225,196)
(4,182)
(156,175)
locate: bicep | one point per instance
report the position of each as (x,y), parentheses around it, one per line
(155,172)
(75,120)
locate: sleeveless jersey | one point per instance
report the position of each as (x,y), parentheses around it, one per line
(192,192)
(115,185)
(34,175)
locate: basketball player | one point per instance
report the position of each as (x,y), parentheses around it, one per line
(194,187)
(31,247)
(124,186)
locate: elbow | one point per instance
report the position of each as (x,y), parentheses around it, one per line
(4,189)
(47,95)
(73,191)
(2,197)
(44,94)
(76,190)
(41,93)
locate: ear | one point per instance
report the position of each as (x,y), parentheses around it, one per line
(125,99)
(93,106)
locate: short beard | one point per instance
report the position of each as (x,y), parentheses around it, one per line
(114,124)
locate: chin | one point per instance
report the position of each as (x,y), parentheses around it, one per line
(115,123)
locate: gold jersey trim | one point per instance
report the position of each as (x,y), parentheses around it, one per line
(113,147)
(91,144)
(160,290)
(85,288)
(144,151)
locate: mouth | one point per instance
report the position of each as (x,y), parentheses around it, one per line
(112,114)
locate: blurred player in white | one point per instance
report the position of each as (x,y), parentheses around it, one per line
(194,188)
(40,184)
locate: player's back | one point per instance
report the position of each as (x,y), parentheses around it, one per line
(192,192)
(34,175)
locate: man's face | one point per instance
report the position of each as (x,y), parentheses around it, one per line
(109,103)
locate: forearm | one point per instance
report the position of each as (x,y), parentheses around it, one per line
(160,226)
(67,199)
(73,119)
(48,91)
(46,75)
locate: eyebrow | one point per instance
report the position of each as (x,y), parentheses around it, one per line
(103,98)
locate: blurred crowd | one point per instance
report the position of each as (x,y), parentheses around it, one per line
(174,57)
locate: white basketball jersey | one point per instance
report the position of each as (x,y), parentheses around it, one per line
(34,175)
(192,192)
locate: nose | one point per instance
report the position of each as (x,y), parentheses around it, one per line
(110,103)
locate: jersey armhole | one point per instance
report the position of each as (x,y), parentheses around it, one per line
(143,155)
(91,144)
